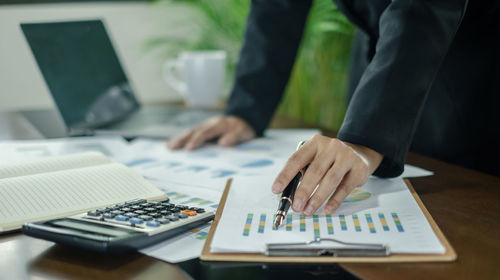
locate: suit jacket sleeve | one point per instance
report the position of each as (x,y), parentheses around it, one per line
(414,36)
(272,37)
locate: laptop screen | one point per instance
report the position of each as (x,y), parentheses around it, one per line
(82,72)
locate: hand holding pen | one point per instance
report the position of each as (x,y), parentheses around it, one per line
(336,166)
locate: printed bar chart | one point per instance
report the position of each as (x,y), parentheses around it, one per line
(262,223)
(329,224)
(399,226)
(383,221)
(302,223)
(318,225)
(369,220)
(289,222)
(343,224)
(357,225)
(248,224)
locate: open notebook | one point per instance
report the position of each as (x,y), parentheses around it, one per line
(61,186)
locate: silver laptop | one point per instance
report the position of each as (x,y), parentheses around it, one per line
(90,88)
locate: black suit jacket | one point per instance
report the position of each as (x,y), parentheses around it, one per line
(424,75)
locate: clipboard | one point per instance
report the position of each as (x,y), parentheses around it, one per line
(448,256)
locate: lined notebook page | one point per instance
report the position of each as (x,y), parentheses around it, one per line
(62,193)
(50,164)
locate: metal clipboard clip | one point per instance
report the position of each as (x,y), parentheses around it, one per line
(304,249)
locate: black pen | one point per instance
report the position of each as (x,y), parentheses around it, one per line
(287,195)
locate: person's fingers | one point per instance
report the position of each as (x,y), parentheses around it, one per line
(356,177)
(345,187)
(240,134)
(203,135)
(295,163)
(329,182)
(313,175)
(180,140)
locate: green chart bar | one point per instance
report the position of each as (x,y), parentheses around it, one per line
(383,221)
(262,223)
(316,226)
(357,225)
(399,226)
(289,222)
(329,224)
(302,223)
(248,223)
(343,224)
(371,226)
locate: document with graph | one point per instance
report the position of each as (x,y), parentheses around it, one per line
(383,211)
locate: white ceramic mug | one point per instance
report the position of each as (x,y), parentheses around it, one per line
(198,75)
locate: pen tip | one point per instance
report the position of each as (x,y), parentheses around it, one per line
(277,221)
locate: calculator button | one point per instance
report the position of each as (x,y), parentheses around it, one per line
(136,221)
(135,202)
(94,213)
(163,221)
(145,217)
(189,212)
(140,212)
(200,210)
(156,215)
(183,216)
(126,209)
(136,207)
(108,216)
(172,218)
(153,224)
(167,204)
(151,203)
(131,215)
(165,212)
(149,209)
(122,218)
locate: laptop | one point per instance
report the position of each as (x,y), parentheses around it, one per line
(90,89)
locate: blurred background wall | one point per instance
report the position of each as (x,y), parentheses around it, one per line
(145,33)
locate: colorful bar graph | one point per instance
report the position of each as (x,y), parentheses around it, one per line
(289,222)
(302,223)
(193,200)
(343,224)
(206,202)
(316,226)
(200,235)
(274,218)
(383,221)
(248,223)
(355,219)
(371,226)
(399,226)
(262,223)
(329,224)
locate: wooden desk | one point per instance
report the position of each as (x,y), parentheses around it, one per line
(465,204)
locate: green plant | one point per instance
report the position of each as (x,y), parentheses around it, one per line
(316,90)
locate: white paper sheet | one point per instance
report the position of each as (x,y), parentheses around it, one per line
(188,245)
(382,211)
(112,147)
(211,165)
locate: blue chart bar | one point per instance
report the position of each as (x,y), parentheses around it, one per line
(343,224)
(262,223)
(399,226)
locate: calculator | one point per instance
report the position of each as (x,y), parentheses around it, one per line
(122,227)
